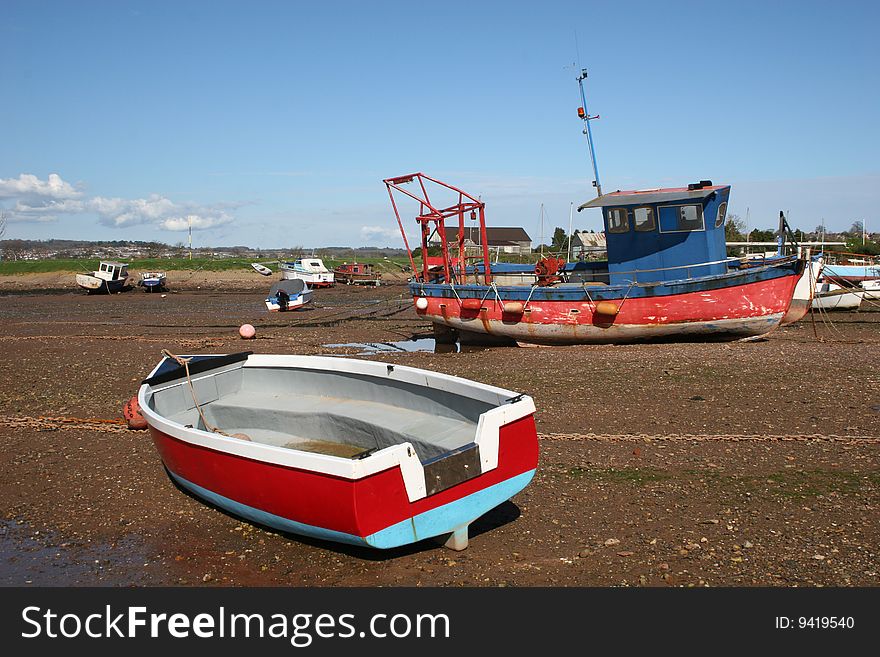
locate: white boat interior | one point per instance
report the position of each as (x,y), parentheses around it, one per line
(338,413)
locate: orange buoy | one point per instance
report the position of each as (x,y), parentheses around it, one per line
(471,304)
(607,308)
(132,414)
(247,332)
(513,308)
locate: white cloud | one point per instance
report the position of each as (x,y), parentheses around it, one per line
(380,235)
(29,187)
(198,222)
(36,200)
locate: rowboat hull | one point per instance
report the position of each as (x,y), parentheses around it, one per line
(373,511)
(830,296)
(384,500)
(872,290)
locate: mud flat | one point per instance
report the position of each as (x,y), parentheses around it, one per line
(661,464)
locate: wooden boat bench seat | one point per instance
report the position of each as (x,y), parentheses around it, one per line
(289,419)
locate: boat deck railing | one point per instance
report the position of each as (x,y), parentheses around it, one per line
(689,270)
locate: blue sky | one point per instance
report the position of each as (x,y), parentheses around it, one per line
(272,124)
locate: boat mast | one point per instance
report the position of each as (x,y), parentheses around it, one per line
(586,118)
(542,230)
(570,220)
(780,238)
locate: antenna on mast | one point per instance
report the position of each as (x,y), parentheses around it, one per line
(586,118)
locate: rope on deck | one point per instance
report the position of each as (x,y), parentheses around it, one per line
(184,363)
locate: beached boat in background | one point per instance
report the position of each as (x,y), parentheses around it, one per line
(872,290)
(830,296)
(852,271)
(152,281)
(110,277)
(288,295)
(344,450)
(310,270)
(261,269)
(667,275)
(357,273)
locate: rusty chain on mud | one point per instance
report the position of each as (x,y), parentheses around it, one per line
(693,437)
(43,423)
(118,425)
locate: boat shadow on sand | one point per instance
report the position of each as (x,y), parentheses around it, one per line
(501,515)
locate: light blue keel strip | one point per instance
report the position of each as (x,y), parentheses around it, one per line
(436,522)
(444,519)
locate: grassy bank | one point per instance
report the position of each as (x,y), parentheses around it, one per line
(11,267)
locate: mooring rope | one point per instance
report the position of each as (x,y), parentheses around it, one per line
(184,362)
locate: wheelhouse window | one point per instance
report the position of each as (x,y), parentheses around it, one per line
(681,218)
(690,217)
(618,221)
(722,212)
(643,218)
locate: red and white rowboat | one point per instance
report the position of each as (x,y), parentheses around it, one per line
(340,449)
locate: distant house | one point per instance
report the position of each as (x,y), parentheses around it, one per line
(584,244)
(503,240)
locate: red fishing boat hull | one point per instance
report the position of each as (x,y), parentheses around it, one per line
(726,313)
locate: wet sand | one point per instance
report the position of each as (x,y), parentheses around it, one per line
(662,464)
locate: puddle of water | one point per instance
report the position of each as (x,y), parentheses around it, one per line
(45,559)
(416,344)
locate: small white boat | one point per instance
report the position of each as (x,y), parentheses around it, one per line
(830,296)
(872,290)
(152,281)
(310,270)
(288,295)
(110,277)
(261,269)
